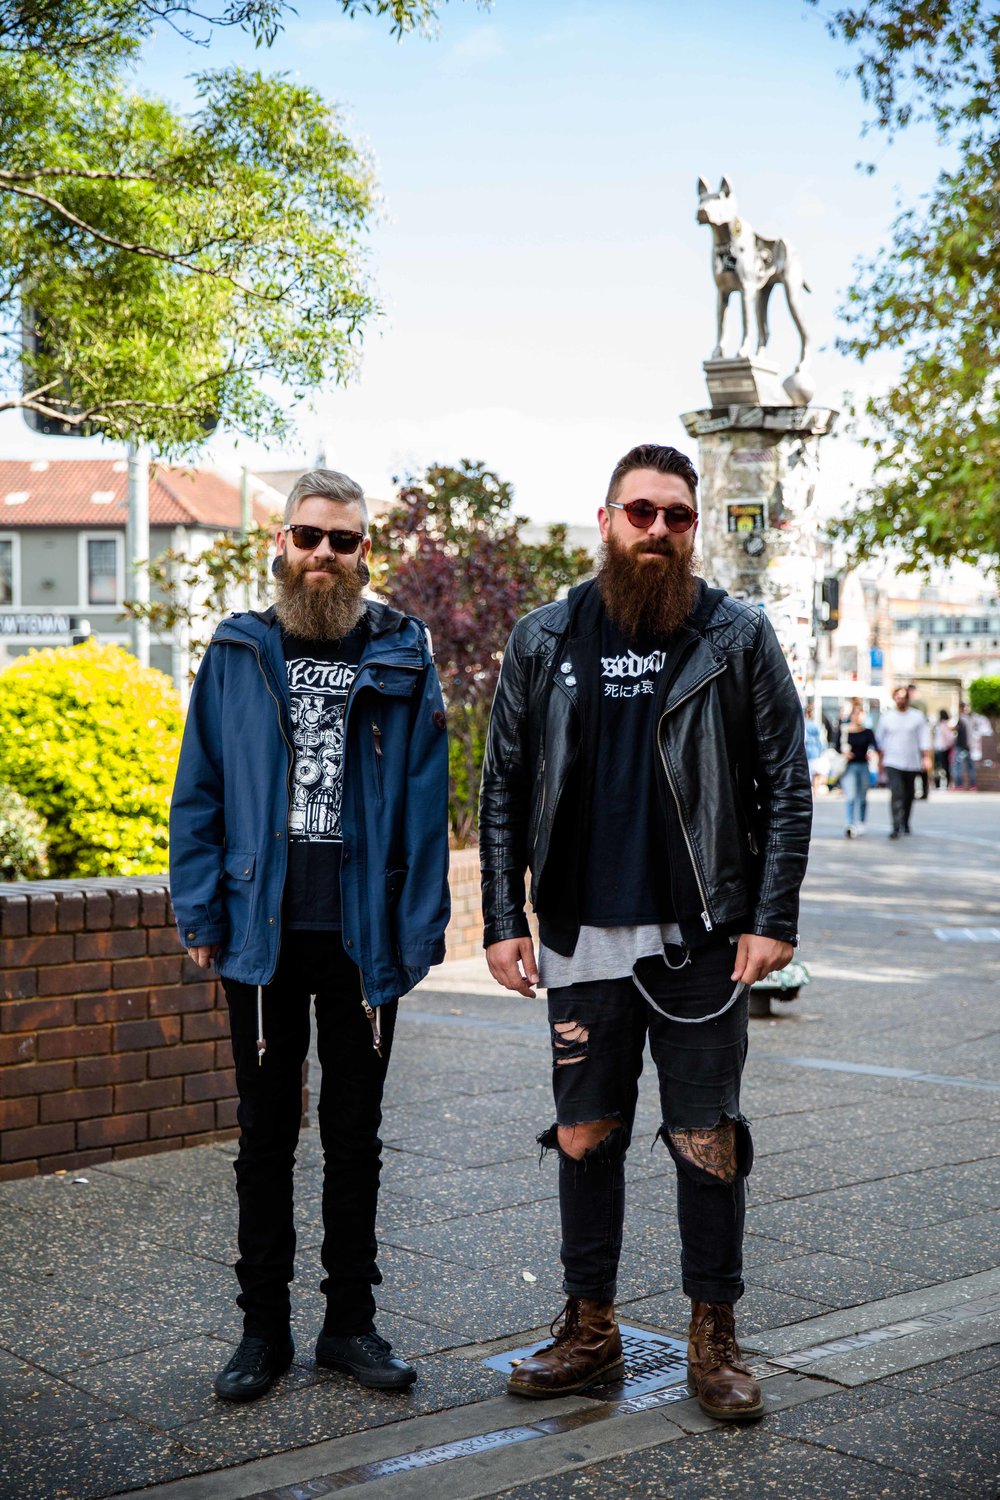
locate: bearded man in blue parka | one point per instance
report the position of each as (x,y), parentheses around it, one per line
(309,857)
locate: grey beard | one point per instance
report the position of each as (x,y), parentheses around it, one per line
(320,614)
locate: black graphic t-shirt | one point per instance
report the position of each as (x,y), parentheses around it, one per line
(625,876)
(320,674)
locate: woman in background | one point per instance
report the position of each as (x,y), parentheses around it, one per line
(944,744)
(856,778)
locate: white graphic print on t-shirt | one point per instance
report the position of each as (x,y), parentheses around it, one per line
(319,694)
(640,667)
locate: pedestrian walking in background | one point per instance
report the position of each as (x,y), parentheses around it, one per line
(816,752)
(856,777)
(969,732)
(904,746)
(309,858)
(923,775)
(645,758)
(943,739)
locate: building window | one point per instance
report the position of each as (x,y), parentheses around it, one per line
(6,570)
(102,570)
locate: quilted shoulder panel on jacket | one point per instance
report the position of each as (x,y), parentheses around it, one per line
(535,633)
(733,626)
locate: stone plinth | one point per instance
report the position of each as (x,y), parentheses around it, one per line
(743,381)
(758,534)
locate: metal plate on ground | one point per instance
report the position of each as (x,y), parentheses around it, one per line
(968,934)
(653,1362)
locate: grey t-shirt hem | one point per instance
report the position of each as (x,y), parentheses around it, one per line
(604,953)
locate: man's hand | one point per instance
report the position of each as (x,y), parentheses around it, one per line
(512,964)
(756,957)
(203,956)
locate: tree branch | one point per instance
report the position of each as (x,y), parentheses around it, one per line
(137,249)
(90,174)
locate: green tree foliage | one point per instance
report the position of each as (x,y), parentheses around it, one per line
(172,268)
(24,848)
(933,295)
(91,740)
(984,697)
(452,553)
(197,591)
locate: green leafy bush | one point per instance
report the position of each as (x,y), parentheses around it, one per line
(984,696)
(24,849)
(90,738)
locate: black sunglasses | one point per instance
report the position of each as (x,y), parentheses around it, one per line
(642,514)
(306,538)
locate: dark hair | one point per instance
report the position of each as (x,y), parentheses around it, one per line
(654,456)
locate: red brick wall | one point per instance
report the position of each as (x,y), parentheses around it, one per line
(465,930)
(112,1042)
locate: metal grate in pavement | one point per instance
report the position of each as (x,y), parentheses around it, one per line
(652,1363)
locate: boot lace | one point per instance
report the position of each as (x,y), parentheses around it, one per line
(564,1324)
(720,1340)
(375,1345)
(249,1356)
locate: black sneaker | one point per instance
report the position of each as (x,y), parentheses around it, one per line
(253,1369)
(366,1356)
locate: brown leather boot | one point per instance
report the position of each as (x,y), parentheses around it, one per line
(587,1350)
(717,1374)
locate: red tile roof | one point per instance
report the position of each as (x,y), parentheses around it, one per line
(93,492)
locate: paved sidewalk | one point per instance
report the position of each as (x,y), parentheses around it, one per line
(873,1308)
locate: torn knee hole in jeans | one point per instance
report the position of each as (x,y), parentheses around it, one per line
(570,1042)
(723,1151)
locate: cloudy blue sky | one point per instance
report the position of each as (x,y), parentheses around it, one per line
(548,294)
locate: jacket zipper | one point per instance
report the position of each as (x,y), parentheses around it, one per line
(676,796)
(370,1012)
(372,1015)
(377,742)
(541,805)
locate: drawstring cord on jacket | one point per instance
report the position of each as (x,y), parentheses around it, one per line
(261,1042)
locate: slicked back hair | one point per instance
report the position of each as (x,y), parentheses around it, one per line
(328,485)
(654,456)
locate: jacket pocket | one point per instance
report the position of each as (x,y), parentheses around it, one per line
(396,682)
(238,895)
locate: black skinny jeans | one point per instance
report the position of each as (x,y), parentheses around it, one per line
(269,1114)
(699,1064)
(901,789)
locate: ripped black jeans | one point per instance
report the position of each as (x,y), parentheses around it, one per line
(595,1076)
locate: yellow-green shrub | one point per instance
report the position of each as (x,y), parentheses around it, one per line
(90,738)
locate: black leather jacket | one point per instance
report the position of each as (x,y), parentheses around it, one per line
(731,769)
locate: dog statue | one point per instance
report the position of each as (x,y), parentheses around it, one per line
(751,265)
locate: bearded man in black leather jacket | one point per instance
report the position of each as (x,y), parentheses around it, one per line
(645,760)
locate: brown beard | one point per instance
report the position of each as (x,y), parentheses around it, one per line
(646,598)
(324,613)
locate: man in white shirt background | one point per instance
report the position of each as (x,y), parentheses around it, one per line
(904,749)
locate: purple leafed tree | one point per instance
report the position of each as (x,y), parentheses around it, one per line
(451,553)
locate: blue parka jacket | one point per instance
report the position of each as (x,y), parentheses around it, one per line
(229,812)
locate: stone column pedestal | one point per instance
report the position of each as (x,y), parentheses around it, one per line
(758,533)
